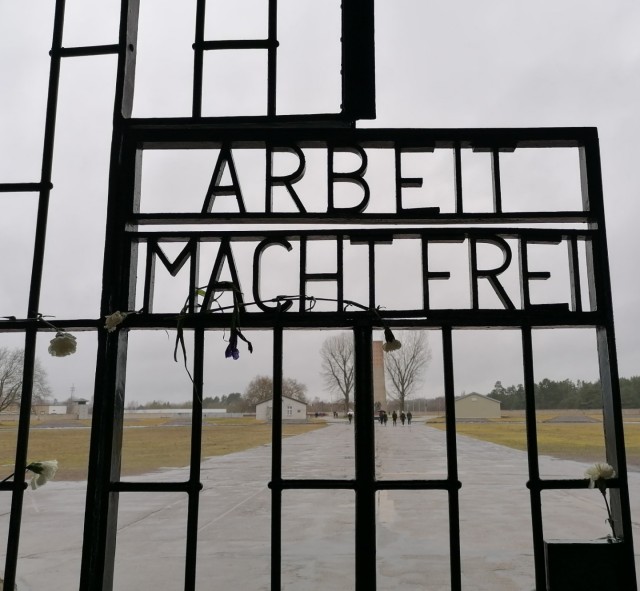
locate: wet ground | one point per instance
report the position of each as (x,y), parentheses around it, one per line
(317,529)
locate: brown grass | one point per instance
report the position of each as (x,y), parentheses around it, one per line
(149,446)
(576,441)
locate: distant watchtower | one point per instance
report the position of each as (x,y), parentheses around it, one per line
(379,388)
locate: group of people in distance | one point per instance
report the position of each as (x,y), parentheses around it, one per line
(382,416)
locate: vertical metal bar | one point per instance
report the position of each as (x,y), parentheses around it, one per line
(452,460)
(473,265)
(365,461)
(125,78)
(22,441)
(198,60)
(149,276)
(47,160)
(424,264)
(372,274)
(495,176)
(532,457)
(340,270)
(600,292)
(523,256)
(303,272)
(101,513)
(118,293)
(272,57)
(574,275)
(268,175)
(358,59)
(615,449)
(457,175)
(194,463)
(398,176)
(17,497)
(276,463)
(194,272)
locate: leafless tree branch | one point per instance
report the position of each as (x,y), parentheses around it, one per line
(337,366)
(11,370)
(405,367)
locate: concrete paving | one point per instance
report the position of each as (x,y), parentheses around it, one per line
(318,539)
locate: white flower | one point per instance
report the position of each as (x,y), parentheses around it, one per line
(391,343)
(115,319)
(598,473)
(391,346)
(44,471)
(62,345)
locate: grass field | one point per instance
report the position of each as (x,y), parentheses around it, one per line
(151,444)
(147,445)
(575,441)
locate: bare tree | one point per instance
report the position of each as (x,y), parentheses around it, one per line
(337,366)
(294,389)
(260,388)
(405,366)
(11,366)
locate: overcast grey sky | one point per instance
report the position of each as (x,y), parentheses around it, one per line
(439,64)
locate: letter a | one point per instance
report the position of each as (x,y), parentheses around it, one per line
(224,255)
(215,188)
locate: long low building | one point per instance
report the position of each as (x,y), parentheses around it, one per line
(175,412)
(292,410)
(477,406)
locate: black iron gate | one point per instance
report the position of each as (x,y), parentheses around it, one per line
(325,217)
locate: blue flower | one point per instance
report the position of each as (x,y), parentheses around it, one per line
(232,347)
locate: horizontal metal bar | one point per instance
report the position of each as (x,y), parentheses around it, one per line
(10,485)
(568,484)
(184,133)
(451,318)
(460,319)
(185,487)
(236,44)
(298,122)
(432,234)
(25,187)
(85,51)
(418,485)
(305,484)
(406,217)
(12,323)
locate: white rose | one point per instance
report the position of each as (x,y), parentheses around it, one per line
(599,472)
(44,471)
(114,320)
(62,344)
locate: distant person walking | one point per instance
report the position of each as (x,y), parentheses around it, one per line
(385,418)
(350,416)
(409,417)
(402,417)
(394,416)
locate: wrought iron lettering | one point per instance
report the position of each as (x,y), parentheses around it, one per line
(513,296)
